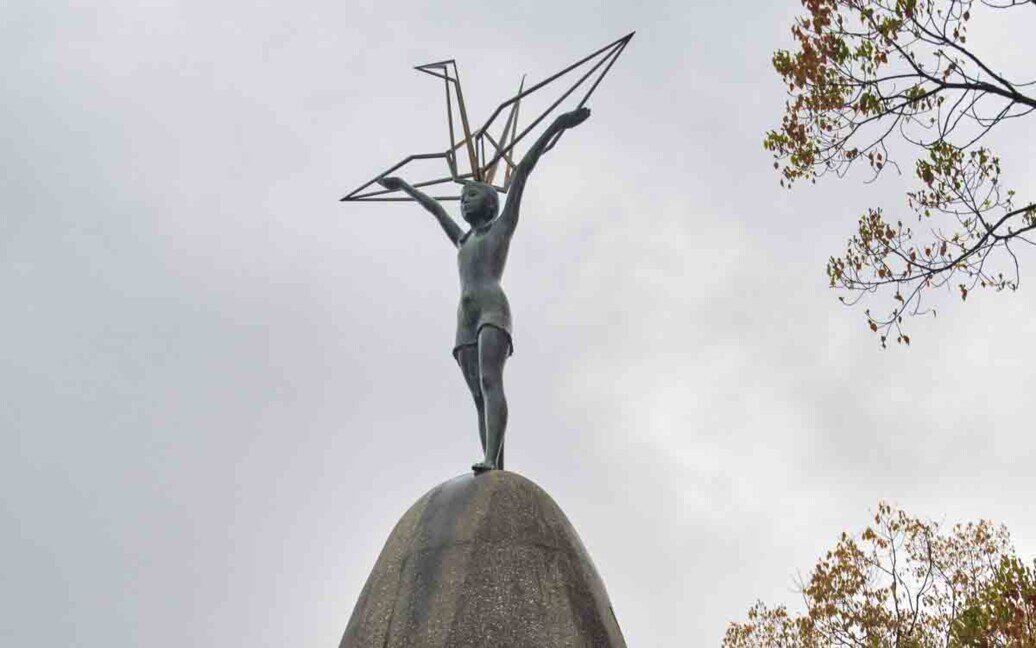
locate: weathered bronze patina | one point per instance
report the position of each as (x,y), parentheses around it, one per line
(483,341)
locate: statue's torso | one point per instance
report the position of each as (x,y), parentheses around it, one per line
(480,261)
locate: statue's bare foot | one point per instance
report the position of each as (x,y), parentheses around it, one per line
(483,466)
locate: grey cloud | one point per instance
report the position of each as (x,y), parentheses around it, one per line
(222,387)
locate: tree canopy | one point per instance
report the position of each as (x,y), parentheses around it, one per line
(875,82)
(904,582)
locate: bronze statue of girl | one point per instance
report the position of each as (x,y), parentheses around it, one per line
(483,341)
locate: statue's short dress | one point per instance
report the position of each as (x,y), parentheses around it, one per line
(482,300)
(478,309)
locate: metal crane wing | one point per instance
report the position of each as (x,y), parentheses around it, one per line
(477,155)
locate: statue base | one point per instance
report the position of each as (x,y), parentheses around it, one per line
(483,560)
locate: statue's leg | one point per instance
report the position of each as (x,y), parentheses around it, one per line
(494,346)
(467,358)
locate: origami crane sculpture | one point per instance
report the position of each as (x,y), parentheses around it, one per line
(483,342)
(483,154)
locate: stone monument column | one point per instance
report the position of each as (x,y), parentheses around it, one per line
(484,560)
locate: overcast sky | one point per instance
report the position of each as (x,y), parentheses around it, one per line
(222,387)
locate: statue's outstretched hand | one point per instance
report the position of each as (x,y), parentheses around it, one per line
(574,118)
(391,183)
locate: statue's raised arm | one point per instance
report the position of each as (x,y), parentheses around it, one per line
(509,216)
(453,231)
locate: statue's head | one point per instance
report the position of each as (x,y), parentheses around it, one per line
(479,203)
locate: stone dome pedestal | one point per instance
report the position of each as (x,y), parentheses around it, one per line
(483,560)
